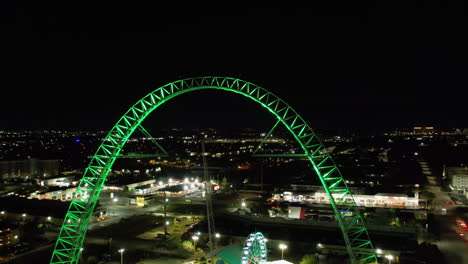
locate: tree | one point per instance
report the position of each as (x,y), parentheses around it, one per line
(188,245)
(92,260)
(308,259)
(429,253)
(224,183)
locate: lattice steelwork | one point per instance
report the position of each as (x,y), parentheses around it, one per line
(73,231)
(255,249)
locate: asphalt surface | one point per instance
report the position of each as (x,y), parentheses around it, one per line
(453,246)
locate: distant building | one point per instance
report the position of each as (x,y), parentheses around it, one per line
(424,130)
(460,181)
(458,177)
(32,168)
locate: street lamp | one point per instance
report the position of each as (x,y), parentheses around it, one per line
(217,236)
(390,258)
(121,255)
(115,200)
(282,247)
(195,238)
(81,255)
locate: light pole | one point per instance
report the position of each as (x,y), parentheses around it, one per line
(81,255)
(115,200)
(121,255)
(195,238)
(110,246)
(282,247)
(217,236)
(390,258)
(165,221)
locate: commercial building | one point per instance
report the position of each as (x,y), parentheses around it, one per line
(56,193)
(377,200)
(58,181)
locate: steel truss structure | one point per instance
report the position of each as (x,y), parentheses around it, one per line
(76,221)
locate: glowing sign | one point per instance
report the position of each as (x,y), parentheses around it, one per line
(140,201)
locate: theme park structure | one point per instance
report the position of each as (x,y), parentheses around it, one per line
(255,249)
(77,219)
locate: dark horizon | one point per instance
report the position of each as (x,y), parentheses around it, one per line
(379,67)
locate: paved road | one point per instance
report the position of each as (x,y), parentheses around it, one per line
(450,243)
(120,211)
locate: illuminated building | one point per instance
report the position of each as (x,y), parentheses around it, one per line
(9,235)
(62,194)
(424,130)
(460,181)
(377,200)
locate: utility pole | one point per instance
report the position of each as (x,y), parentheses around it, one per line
(261,176)
(209,205)
(110,246)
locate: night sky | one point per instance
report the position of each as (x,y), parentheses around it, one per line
(372,66)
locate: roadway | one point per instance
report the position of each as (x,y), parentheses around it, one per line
(449,242)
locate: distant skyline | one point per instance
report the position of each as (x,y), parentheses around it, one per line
(376,67)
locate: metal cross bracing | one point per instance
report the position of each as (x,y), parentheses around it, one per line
(73,231)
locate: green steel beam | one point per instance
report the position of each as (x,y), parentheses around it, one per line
(155,142)
(266,137)
(76,221)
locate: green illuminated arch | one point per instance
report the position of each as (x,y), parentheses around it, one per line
(73,231)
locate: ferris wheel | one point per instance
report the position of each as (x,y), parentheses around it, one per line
(255,249)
